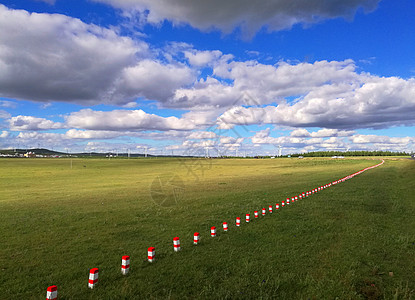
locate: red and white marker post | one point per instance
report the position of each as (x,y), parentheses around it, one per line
(238,221)
(256,214)
(93,278)
(151,254)
(288,201)
(195,238)
(282,203)
(125,264)
(213,231)
(263,212)
(176,244)
(52,292)
(277,206)
(270,209)
(247,218)
(225,226)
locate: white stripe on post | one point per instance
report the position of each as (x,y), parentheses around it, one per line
(151,254)
(93,278)
(196,238)
(52,292)
(176,244)
(125,264)
(213,231)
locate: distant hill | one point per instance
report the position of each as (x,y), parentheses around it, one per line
(47,152)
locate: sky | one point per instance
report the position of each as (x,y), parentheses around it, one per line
(191,77)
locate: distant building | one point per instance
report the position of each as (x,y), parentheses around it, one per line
(30,154)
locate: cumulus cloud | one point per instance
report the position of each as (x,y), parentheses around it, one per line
(49,57)
(32,123)
(4,134)
(323,133)
(91,134)
(196,135)
(249,17)
(202,58)
(253,83)
(125,120)
(299,141)
(374,102)
(383,140)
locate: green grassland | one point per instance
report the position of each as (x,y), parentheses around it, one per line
(61,217)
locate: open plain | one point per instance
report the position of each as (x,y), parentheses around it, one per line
(61,217)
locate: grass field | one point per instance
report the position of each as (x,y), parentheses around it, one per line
(59,218)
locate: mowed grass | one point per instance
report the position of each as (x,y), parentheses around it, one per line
(355,240)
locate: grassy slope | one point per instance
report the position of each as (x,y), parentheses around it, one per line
(56,223)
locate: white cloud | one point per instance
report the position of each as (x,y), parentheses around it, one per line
(4,134)
(322,133)
(202,58)
(299,141)
(4,114)
(32,123)
(373,102)
(153,80)
(8,104)
(91,134)
(300,132)
(383,140)
(196,135)
(48,57)
(122,120)
(250,17)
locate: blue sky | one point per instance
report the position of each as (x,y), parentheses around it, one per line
(228,76)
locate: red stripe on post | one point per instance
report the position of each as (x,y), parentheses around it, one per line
(151,254)
(213,231)
(93,278)
(176,244)
(52,292)
(125,264)
(196,238)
